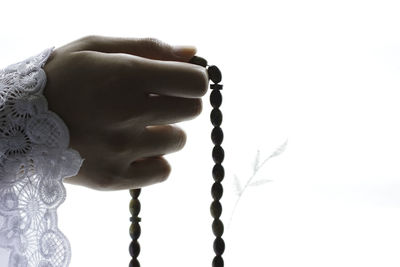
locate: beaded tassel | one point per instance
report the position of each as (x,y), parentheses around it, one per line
(218,174)
(134,230)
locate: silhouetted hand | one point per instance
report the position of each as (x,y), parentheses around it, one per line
(117,97)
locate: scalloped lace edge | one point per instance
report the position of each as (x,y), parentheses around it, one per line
(34,160)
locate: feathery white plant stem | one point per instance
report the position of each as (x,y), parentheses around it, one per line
(256,168)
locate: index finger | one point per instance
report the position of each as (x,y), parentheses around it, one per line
(173,78)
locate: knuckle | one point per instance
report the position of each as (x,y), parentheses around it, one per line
(198,107)
(118,143)
(88,42)
(166,169)
(80,56)
(153,43)
(178,136)
(202,81)
(123,69)
(182,137)
(90,39)
(105,183)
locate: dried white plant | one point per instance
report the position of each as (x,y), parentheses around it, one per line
(239,189)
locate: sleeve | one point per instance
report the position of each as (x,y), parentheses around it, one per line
(34,159)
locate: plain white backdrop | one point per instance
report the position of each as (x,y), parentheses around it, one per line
(323,75)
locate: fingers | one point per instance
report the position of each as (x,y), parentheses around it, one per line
(161,140)
(141,160)
(144,172)
(128,145)
(162,110)
(171,78)
(152,168)
(140,173)
(150,48)
(167,78)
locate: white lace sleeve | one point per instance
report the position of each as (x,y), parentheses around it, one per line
(34,159)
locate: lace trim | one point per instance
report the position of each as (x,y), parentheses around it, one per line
(34,159)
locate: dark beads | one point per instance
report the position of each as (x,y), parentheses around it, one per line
(134,230)
(217,136)
(216,117)
(134,263)
(198,61)
(218,261)
(217,191)
(214,74)
(219,246)
(216,209)
(218,227)
(215,98)
(218,154)
(134,207)
(135,192)
(134,249)
(218,172)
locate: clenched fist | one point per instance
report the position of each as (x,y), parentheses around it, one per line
(118,97)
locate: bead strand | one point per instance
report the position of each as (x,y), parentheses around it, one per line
(218,174)
(218,171)
(134,230)
(218,155)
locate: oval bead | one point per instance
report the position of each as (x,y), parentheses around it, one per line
(134,249)
(134,207)
(217,191)
(135,192)
(218,172)
(216,117)
(134,263)
(214,74)
(219,246)
(217,136)
(215,98)
(218,261)
(218,227)
(216,209)
(198,61)
(134,230)
(218,154)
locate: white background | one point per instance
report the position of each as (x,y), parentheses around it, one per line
(323,75)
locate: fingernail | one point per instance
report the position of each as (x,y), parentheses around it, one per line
(184,51)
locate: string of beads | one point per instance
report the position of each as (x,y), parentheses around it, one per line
(218,174)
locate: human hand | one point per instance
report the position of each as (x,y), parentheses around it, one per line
(117,97)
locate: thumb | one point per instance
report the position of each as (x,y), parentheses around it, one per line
(150,48)
(184,53)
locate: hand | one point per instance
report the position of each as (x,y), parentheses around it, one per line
(117,97)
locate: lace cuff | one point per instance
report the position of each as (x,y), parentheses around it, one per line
(34,159)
